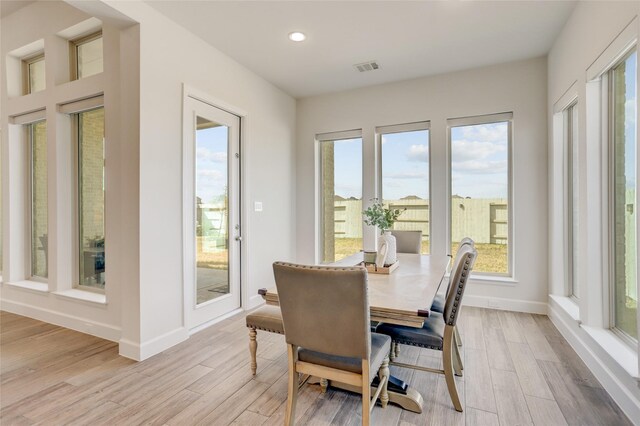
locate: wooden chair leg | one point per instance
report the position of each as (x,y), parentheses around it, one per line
(392,352)
(292,389)
(457,366)
(457,336)
(366,393)
(253,349)
(324,384)
(382,374)
(458,356)
(447,361)
(397,350)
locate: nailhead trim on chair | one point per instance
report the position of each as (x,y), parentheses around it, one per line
(402,342)
(463,279)
(264,329)
(320,268)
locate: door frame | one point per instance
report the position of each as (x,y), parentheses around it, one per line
(189,92)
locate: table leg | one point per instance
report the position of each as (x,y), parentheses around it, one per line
(411,400)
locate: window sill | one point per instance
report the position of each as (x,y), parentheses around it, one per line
(491,280)
(568,305)
(616,348)
(37,286)
(85,296)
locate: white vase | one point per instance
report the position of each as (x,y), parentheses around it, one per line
(386,249)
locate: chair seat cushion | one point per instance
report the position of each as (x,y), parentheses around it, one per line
(430,336)
(380,346)
(438,304)
(267,318)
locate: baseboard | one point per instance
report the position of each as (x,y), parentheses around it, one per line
(578,339)
(254,301)
(144,350)
(94,328)
(503,304)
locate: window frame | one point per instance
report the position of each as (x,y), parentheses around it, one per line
(73,53)
(320,226)
(380,131)
(607,92)
(77,108)
(479,120)
(26,72)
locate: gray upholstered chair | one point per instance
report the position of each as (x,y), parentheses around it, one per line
(438,329)
(325,311)
(266,318)
(408,241)
(438,301)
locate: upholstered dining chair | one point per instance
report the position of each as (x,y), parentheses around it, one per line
(325,311)
(437,331)
(408,241)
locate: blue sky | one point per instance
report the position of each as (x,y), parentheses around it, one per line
(630,120)
(405,165)
(479,160)
(211,163)
(479,157)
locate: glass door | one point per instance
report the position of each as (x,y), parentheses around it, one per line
(212,241)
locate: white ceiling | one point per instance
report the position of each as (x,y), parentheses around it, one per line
(408,39)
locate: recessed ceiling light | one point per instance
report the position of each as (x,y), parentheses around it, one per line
(297,36)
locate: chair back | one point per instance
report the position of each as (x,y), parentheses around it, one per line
(465,259)
(325,309)
(408,241)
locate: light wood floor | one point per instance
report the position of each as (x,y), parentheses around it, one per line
(518,370)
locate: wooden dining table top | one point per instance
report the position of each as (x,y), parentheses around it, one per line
(402,297)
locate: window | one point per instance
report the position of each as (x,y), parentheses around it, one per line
(570,117)
(91,198)
(34,73)
(341,195)
(623,174)
(38,184)
(404,152)
(88,55)
(480,188)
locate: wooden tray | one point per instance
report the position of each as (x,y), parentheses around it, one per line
(386,270)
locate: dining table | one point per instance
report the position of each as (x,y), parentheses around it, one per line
(401,297)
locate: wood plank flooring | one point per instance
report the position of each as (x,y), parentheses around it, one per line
(518,370)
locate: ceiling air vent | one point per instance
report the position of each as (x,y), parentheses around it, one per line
(367,66)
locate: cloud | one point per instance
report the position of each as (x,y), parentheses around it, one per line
(408,175)
(465,150)
(418,153)
(479,167)
(630,113)
(211,174)
(497,132)
(204,154)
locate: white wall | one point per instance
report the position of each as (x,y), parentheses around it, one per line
(145,308)
(54,301)
(519,87)
(169,57)
(592,27)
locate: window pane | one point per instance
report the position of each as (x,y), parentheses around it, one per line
(91,197)
(212,219)
(341,166)
(479,192)
(624,209)
(36,75)
(405,180)
(571,122)
(89,56)
(39,229)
